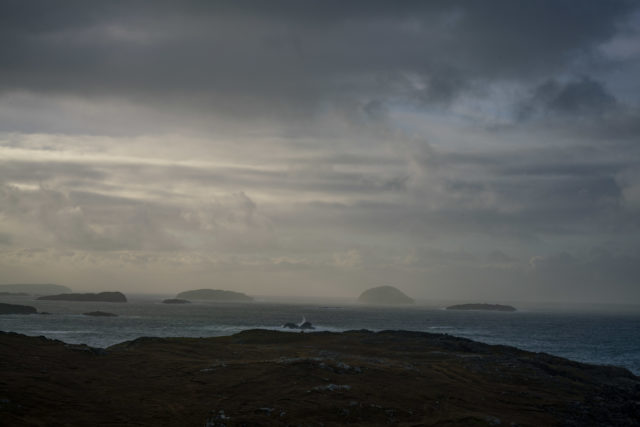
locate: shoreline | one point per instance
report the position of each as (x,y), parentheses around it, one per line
(270,377)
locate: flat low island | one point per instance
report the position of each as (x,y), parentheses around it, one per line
(485,307)
(261,377)
(218,295)
(99,297)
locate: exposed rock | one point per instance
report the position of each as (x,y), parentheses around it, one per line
(100,314)
(214,295)
(16,309)
(291,325)
(102,296)
(487,307)
(176,301)
(306,325)
(302,325)
(35,289)
(385,295)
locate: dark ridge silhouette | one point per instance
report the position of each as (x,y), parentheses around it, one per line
(102,296)
(16,309)
(214,295)
(35,289)
(261,377)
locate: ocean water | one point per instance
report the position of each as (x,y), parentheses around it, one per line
(592,337)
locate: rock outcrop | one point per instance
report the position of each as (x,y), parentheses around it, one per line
(305,325)
(385,295)
(486,307)
(214,295)
(101,297)
(16,309)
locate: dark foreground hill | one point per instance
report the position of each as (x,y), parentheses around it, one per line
(262,377)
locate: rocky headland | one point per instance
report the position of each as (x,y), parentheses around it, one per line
(260,377)
(384,295)
(16,309)
(214,295)
(100,297)
(486,307)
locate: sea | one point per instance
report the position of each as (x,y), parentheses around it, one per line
(605,336)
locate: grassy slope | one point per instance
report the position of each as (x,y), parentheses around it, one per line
(266,377)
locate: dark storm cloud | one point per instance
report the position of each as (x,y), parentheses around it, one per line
(288,55)
(583,97)
(399,141)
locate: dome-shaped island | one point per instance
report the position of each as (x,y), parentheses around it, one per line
(384,295)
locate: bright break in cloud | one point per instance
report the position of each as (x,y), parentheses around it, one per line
(489,150)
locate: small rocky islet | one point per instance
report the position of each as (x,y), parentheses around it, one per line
(483,307)
(304,325)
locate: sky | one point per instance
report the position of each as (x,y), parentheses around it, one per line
(468,150)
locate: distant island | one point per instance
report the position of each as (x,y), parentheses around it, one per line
(384,295)
(102,297)
(16,309)
(35,289)
(100,314)
(176,301)
(214,295)
(486,307)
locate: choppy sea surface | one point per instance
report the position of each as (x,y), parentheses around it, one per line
(593,337)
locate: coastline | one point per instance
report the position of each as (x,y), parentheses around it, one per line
(267,377)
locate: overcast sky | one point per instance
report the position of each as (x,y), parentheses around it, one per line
(485,151)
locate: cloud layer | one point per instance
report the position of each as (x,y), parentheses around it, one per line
(454,149)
